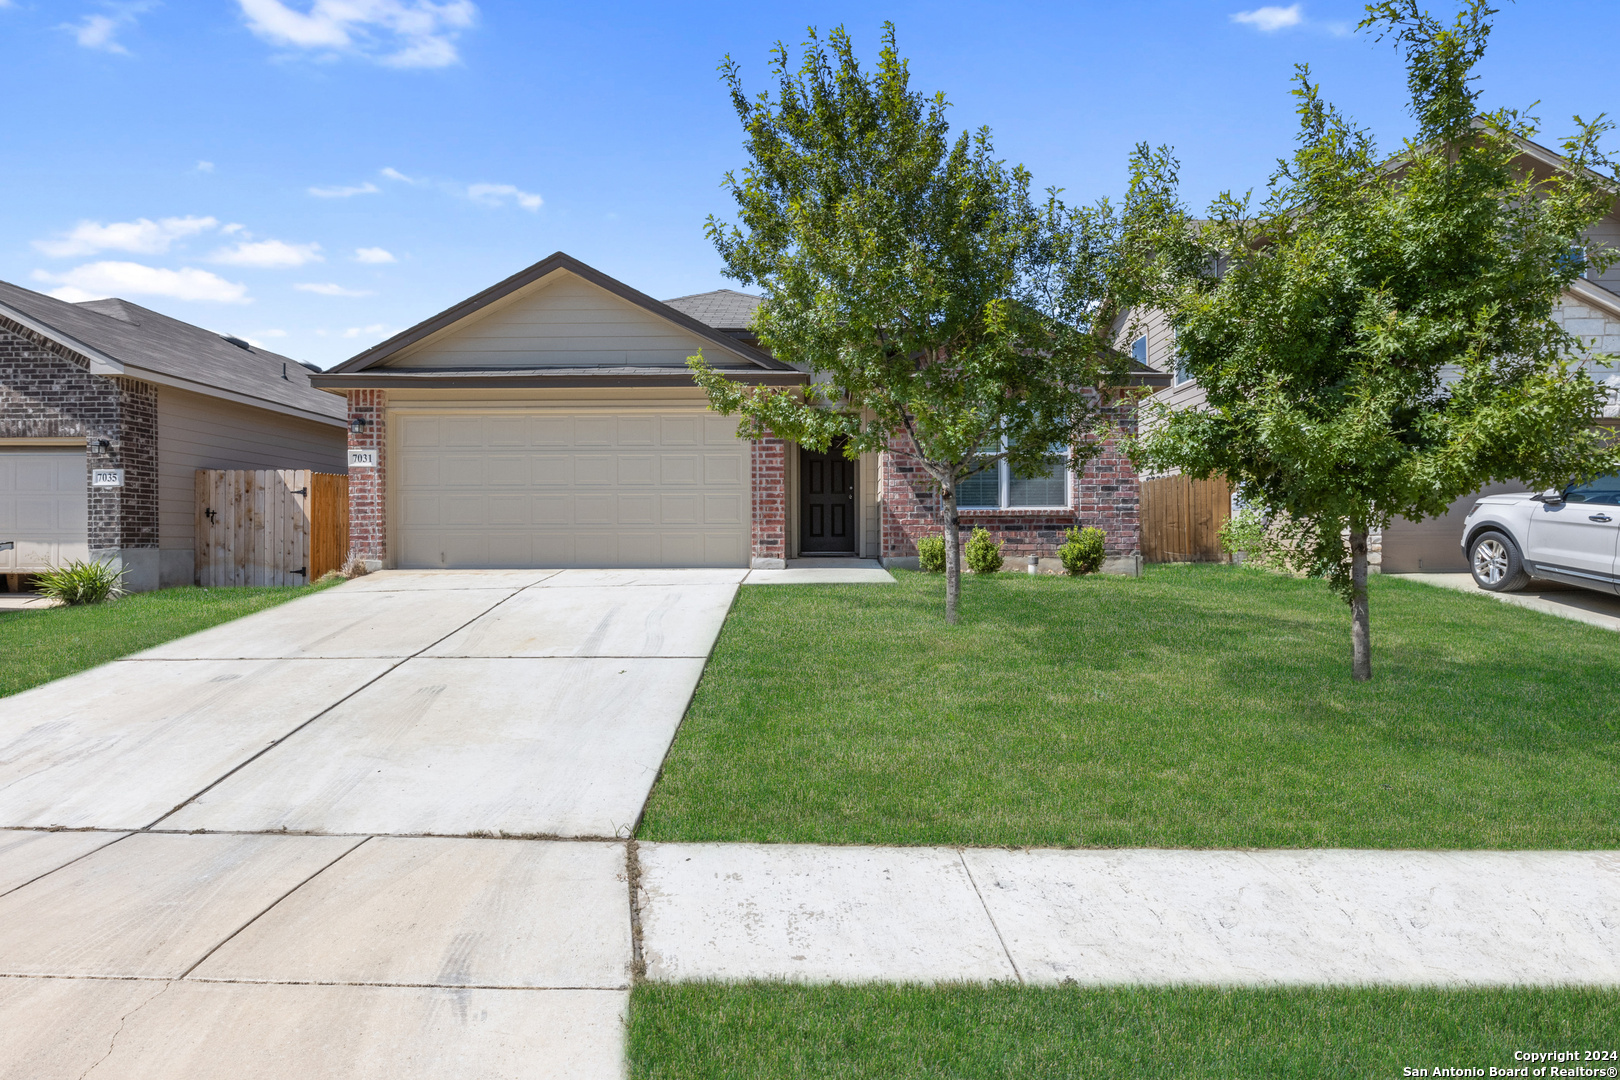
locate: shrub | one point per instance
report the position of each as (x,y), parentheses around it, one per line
(1082,551)
(983,553)
(82,583)
(931,554)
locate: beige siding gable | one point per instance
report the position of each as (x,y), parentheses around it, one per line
(561,321)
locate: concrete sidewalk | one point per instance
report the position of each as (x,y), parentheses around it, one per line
(853,914)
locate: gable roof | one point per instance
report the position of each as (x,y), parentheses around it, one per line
(117,337)
(723,309)
(369,368)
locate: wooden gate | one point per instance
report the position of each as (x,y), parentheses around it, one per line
(1182,517)
(270,526)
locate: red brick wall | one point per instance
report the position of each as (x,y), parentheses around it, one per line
(368,488)
(1106,495)
(769,474)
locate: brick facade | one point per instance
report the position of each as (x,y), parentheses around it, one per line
(368,510)
(770,503)
(1105,495)
(48,392)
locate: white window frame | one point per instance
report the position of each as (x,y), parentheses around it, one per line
(1004,479)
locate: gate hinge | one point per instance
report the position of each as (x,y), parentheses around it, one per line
(302,491)
(302,571)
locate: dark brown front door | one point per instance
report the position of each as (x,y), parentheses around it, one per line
(826,502)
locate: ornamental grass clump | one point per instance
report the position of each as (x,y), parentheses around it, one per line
(983,553)
(82,583)
(931,554)
(1082,551)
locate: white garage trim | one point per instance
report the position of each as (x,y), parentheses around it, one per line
(44,507)
(634,484)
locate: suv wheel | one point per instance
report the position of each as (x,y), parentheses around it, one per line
(1496,563)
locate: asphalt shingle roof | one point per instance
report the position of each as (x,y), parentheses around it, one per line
(723,309)
(143,338)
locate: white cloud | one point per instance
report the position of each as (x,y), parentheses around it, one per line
(257,340)
(141,236)
(205,166)
(374,255)
(101,31)
(267,254)
(103,279)
(398,33)
(395,174)
(329,289)
(366,188)
(1269,20)
(497,194)
(374,330)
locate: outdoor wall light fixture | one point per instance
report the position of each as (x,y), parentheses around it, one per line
(357,424)
(103,445)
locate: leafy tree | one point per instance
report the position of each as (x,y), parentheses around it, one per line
(946,314)
(1377,337)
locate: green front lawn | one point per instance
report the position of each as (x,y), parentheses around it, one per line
(46,644)
(765,1031)
(1198,706)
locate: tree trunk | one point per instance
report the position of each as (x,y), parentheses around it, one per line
(1360,636)
(953,552)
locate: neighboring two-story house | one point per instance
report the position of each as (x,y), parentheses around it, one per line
(1590,309)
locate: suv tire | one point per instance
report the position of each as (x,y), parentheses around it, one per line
(1496,564)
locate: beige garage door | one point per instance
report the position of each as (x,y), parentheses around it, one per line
(44,508)
(593,489)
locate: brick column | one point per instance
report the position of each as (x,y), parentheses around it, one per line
(368,488)
(1108,493)
(769,475)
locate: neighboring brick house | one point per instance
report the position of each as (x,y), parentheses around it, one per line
(550,421)
(110,387)
(1590,309)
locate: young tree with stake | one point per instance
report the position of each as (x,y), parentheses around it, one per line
(946,314)
(1378,338)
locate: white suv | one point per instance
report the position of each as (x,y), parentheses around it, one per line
(1571,536)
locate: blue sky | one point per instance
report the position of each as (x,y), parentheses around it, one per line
(318,174)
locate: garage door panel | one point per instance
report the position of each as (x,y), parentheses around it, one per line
(638,510)
(461,472)
(581,489)
(507,470)
(637,470)
(680,430)
(638,431)
(594,510)
(722,510)
(723,469)
(418,431)
(679,509)
(594,469)
(508,510)
(678,469)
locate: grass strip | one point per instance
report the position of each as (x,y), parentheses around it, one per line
(698,1031)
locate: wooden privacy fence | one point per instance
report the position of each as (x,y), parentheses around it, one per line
(270,526)
(1182,517)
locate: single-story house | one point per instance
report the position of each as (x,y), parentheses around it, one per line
(107,409)
(1589,309)
(550,420)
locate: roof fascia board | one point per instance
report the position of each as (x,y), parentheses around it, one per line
(367,380)
(544,268)
(230,395)
(100,363)
(1596,296)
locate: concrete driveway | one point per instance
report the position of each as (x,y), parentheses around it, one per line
(372,832)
